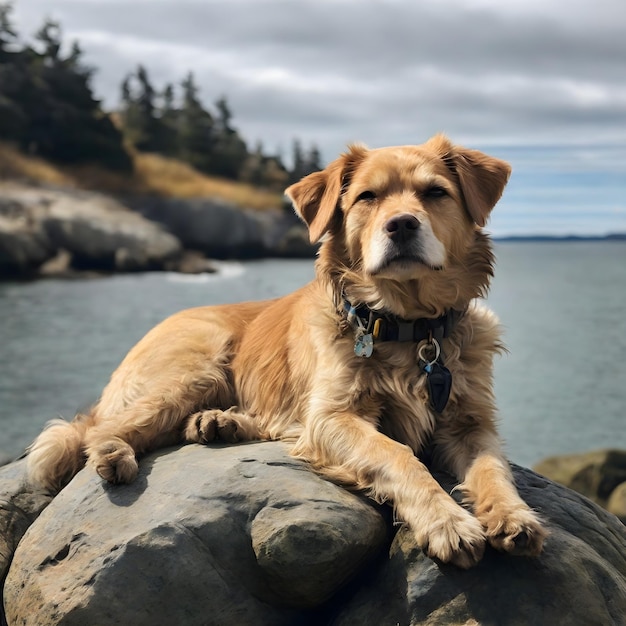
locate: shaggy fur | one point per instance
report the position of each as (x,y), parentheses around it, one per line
(401,231)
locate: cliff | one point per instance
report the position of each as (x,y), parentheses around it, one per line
(247,535)
(56,231)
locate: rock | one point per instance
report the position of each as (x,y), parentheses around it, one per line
(221,230)
(67,230)
(247,535)
(617,502)
(191,262)
(20,505)
(253,537)
(216,228)
(579,579)
(100,233)
(594,474)
(24,244)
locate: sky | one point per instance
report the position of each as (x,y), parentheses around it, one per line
(540,83)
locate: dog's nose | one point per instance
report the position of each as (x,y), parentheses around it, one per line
(402,227)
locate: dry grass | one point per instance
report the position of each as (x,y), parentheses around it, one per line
(159,175)
(14,165)
(153,175)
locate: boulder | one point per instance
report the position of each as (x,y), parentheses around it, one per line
(220,229)
(214,227)
(594,474)
(232,535)
(579,579)
(24,244)
(65,229)
(100,233)
(617,502)
(20,505)
(247,535)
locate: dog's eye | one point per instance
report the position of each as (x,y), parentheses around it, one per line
(366,196)
(434,192)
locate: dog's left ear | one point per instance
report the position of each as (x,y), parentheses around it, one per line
(315,198)
(482,179)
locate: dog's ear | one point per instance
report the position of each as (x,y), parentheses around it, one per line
(315,198)
(482,177)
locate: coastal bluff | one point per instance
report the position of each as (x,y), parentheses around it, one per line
(246,534)
(52,231)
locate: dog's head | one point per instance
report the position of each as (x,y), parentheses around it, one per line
(405,215)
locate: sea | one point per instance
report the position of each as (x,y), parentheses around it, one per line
(561,388)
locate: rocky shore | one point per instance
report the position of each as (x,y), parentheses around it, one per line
(65,232)
(245,534)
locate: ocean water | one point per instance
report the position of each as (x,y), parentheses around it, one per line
(561,388)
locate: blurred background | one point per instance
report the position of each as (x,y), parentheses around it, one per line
(141,140)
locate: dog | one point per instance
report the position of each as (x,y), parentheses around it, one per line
(387,353)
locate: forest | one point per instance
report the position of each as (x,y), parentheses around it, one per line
(48,109)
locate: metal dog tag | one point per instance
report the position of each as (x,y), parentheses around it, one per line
(364,345)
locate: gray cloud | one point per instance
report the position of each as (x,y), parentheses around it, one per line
(386,71)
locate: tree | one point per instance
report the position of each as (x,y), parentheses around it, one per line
(46,102)
(169,116)
(230,152)
(142,124)
(8,35)
(196,136)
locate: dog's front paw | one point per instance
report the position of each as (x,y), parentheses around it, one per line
(114,461)
(518,531)
(456,537)
(212,425)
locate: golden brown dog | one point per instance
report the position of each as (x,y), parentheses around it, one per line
(384,354)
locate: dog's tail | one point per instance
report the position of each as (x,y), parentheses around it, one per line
(57,454)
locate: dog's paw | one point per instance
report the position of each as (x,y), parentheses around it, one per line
(115,462)
(212,425)
(457,538)
(518,531)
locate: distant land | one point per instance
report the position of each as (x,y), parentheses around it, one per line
(565,238)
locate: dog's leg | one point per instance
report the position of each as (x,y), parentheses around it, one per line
(348,449)
(230,426)
(474,454)
(113,444)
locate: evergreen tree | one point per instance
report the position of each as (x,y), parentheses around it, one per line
(8,35)
(169,116)
(46,102)
(195,128)
(142,124)
(12,79)
(230,152)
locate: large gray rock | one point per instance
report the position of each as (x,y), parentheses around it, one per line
(222,230)
(96,231)
(20,504)
(579,579)
(246,535)
(24,243)
(234,535)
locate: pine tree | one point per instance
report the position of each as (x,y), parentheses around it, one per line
(195,128)
(230,152)
(61,119)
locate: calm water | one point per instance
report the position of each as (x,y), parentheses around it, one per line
(562,388)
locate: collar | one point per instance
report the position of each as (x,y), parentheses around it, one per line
(387,327)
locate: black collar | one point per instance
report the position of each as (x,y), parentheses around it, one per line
(387,327)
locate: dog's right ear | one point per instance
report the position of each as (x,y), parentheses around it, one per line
(315,198)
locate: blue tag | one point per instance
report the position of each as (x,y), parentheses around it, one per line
(364,345)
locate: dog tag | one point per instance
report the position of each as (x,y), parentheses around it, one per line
(439,380)
(364,345)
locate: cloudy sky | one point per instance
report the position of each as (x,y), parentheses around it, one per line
(541,83)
